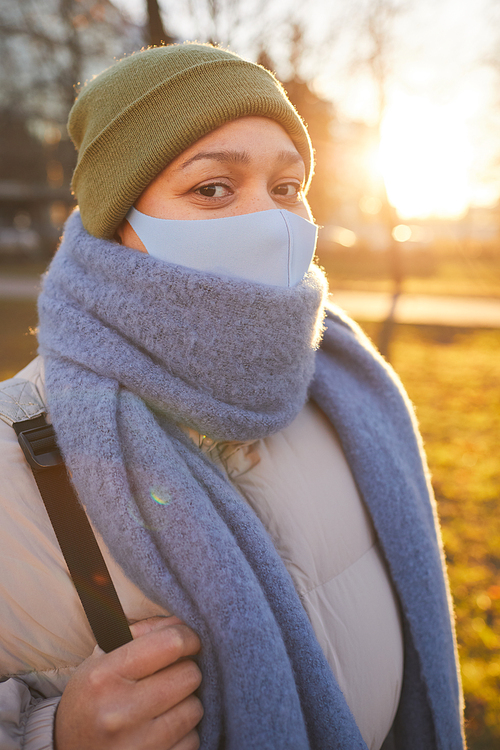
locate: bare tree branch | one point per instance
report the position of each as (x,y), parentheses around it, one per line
(35,34)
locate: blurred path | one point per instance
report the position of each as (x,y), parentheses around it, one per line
(19,287)
(470,312)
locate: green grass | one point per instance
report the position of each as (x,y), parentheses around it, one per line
(456,389)
(453,378)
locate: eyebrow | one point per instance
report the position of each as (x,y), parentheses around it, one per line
(283,158)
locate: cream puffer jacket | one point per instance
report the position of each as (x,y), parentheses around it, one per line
(299,484)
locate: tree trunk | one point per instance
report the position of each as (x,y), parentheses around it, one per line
(157,33)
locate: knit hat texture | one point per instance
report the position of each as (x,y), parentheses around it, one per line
(133,119)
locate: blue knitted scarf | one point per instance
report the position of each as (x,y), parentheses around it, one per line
(135,347)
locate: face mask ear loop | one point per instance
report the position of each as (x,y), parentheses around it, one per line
(134,219)
(289,247)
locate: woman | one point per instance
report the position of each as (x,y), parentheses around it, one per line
(269,494)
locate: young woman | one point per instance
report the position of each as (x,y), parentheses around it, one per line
(249,464)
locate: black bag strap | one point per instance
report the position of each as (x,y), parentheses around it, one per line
(73,531)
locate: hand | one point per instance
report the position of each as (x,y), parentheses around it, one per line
(138,697)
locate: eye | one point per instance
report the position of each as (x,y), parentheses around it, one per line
(213,190)
(287,190)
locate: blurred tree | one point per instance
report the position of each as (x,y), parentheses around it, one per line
(46,50)
(156,28)
(223,21)
(21,155)
(319,115)
(377,24)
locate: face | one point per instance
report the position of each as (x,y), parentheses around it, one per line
(247,165)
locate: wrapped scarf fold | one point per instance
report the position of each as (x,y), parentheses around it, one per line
(134,348)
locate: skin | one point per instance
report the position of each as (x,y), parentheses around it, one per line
(141,696)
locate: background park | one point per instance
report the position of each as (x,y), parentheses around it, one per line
(402,99)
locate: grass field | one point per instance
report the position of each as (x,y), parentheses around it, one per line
(453,378)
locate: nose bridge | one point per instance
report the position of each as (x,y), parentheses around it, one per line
(257,196)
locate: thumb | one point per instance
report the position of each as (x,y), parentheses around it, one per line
(142,627)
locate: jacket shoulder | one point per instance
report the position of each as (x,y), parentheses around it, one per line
(42,624)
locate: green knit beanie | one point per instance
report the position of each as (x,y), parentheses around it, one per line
(133,119)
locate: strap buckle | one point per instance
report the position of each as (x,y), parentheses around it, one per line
(40,447)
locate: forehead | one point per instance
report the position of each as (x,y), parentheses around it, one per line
(253,136)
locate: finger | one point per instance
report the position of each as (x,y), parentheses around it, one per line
(142,627)
(153,651)
(158,693)
(175,730)
(172,727)
(190,742)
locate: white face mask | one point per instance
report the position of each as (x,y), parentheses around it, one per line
(270,247)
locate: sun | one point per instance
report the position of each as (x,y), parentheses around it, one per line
(425,158)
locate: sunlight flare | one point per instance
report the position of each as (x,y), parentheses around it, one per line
(425,158)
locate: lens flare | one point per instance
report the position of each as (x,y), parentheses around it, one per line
(160,500)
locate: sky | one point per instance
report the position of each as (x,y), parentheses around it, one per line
(440,135)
